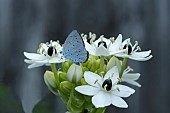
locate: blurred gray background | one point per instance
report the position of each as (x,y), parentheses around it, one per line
(26,23)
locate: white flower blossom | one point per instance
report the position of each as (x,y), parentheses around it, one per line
(130,77)
(105,91)
(46,54)
(132,51)
(102,46)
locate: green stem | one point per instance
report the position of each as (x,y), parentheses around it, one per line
(98,110)
(53,67)
(123,67)
(101,64)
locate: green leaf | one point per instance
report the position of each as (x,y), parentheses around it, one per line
(8,102)
(46,105)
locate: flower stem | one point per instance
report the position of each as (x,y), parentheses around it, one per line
(53,67)
(101,64)
(123,67)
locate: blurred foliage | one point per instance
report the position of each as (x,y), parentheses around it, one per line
(46,105)
(8,102)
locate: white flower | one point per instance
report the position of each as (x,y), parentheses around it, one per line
(132,51)
(74,73)
(102,46)
(105,91)
(130,77)
(46,54)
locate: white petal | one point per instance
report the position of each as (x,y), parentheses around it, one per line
(141,54)
(56,60)
(141,59)
(101,99)
(133,82)
(130,76)
(117,44)
(122,91)
(34,65)
(87,90)
(122,55)
(34,56)
(93,79)
(113,52)
(118,102)
(101,51)
(28,61)
(113,73)
(89,48)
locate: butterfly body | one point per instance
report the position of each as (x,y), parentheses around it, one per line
(74,48)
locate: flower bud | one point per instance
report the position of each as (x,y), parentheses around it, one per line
(49,79)
(74,73)
(113,62)
(66,65)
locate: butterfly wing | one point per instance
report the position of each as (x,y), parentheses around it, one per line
(74,48)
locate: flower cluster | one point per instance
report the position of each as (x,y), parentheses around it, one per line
(91,86)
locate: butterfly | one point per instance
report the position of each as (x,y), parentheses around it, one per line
(74,48)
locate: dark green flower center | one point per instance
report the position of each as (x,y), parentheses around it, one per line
(102,42)
(50,51)
(107,84)
(129,47)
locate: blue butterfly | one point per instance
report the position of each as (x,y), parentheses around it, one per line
(74,48)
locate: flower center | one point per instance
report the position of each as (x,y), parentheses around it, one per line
(129,47)
(107,84)
(102,43)
(50,51)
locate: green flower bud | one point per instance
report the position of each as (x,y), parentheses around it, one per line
(76,101)
(113,62)
(66,65)
(49,79)
(62,76)
(66,87)
(74,73)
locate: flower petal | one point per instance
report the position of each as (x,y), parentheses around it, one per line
(101,51)
(93,79)
(87,90)
(130,76)
(35,65)
(141,59)
(141,54)
(118,102)
(89,48)
(101,99)
(122,91)
(133,82)
(56,60)
(34,56)
(113,73)
(117,44)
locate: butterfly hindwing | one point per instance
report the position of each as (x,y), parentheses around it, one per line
(74,48)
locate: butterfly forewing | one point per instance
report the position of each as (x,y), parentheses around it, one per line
(74,48)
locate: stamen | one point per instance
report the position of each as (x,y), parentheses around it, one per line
(118,89)
(136,44)
(138,48)
(96,81)
(105,86)
(112,39)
